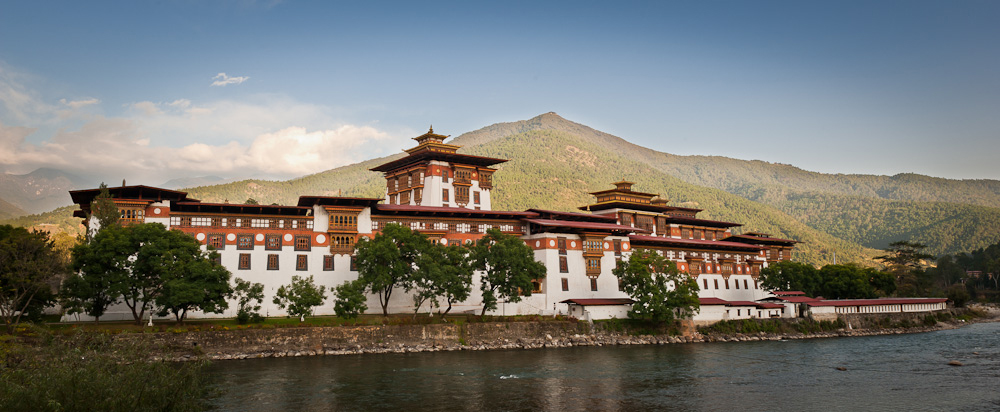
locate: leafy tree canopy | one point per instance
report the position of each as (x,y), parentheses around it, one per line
(509,266)
(660,291)
(388,261)
(248,299)
(443,272)
(28,262)
(351,300)
(300,296)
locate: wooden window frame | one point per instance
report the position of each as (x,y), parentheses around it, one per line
(244,263)
(303,243)
(301,262)
(563,264)
(328,264)
(244,242)
(272,261)
(217,241)
(272,242)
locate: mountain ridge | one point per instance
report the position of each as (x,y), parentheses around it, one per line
(555,163)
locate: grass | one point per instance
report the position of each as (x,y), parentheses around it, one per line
(197,325)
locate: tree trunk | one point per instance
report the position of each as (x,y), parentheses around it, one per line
(446,310)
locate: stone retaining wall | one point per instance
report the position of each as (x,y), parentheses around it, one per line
(308,341)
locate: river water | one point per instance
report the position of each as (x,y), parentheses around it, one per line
(893,372)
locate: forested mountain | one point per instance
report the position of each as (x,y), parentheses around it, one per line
(555,163)
(744,177)
(39,191)
(9,210)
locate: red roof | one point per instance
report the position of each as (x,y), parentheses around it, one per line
(761,239)
(759,305)
(574,215)
(380,208)
(788,293)
(583,225)
(742,303)
(872,302)
(426,155)
(693,242)
(701,222)
(798,299)
(599,302)
(766,305)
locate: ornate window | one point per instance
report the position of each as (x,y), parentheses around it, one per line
(303,242)
(244,242)
(272,242)
(217,241)
(565,285)
(272,262)
(301,262)
(593,284)
(328,262)
(561,242)
(593,266)
(563,265)
(244,261)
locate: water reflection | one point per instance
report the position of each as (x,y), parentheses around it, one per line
(885,372)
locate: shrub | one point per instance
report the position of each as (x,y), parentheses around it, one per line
(90,372)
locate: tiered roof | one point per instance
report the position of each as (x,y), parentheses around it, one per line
(432,147)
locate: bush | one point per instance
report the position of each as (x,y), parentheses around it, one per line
(244,318)
(95,372)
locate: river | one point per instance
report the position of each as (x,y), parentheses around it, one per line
(893,372)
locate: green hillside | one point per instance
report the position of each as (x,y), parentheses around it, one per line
(9,210)
(555,163)
(744,176)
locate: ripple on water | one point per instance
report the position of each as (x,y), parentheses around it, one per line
(891,372)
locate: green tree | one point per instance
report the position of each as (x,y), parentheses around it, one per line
(196,283)
(134,264)
(101,266)
(388,261)
(958,295)
(509,266)
(350,301)
(845,282)
(157,256)
(661,292)
(788,275)
(248,296)
(104,210)
(251,201)
(300,296)
(904,256)
(28,262)
(443,272)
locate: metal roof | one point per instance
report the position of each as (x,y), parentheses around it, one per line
(599,302)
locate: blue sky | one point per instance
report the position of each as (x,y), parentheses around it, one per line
(126,89)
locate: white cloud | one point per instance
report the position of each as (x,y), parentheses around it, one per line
(150,142)
(117,148)
(222,79)
(76,104)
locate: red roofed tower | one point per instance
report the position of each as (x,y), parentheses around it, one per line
(434,174)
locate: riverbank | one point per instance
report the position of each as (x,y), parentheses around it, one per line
(374,339)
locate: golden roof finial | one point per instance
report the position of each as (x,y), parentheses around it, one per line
(431,129)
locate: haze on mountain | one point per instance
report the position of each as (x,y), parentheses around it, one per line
(555,163)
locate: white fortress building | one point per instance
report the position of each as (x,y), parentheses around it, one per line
(446,196)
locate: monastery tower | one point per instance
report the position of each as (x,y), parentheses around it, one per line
(433,174)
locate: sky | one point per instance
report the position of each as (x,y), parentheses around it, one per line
(154,90)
